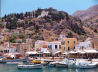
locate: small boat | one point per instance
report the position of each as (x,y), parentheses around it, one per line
(53,64)
(32,66)
(36,61)
(13,60)
(71,62)
(61,65)
(13,63)
(87,65)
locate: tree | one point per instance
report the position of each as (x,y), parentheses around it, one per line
(12,39)
(23,40)
(21,36)
(11,23)
(95,30)
(1,25)
(35,37)
(70,35)
(20,24)
(5,16)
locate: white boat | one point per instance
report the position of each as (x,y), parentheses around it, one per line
(63,63)
(71,64)
(53,64)
(33,66)
(60,64)
(14,63)
(86,65)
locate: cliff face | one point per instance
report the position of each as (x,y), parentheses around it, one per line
(89,17)
(49,26)
(86,14)
(92,23)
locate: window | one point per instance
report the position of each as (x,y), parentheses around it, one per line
(74,47)
(59,46)
(63,43)
(55,46)
(82,47)
(50,46)
(64,48)
(74,42)
(68,42)
(68,48)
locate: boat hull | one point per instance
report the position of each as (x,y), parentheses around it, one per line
(38,66)
(13,60)
(13,63)
(87,65)
(61,65)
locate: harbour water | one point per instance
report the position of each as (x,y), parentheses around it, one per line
(13,68)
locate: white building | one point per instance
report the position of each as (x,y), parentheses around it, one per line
(54,46)
(43,13)
(62,37)
(9,50)
(84,45)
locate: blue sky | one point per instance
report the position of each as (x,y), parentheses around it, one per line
(70,6)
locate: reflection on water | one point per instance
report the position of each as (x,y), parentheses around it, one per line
(13,68)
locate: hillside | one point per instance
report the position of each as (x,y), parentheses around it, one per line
(92,23)
(47,24)
(86,14)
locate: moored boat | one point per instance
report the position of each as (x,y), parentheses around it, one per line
(32,66)
(61,65)
(13,60)
(13,63)
(87,65)
(71,63)
(53,64)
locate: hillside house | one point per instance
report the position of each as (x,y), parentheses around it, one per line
(43,13)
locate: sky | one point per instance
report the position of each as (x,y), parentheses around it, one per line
(69,6)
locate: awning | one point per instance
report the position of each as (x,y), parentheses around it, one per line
(81,52)
(57,52)
(65,53)
(72,52)
(46,52)
(91,51)
(31,52)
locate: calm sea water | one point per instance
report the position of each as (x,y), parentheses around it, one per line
(13,68)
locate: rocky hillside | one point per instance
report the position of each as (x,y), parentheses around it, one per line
(47,24)
(89,18)
(86,14)
(92,23)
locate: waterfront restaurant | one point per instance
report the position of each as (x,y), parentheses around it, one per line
(33,54)
(84,54)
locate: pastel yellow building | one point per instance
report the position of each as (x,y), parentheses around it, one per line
(69,44)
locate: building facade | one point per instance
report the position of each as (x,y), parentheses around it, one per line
(54,46)
(69,44)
